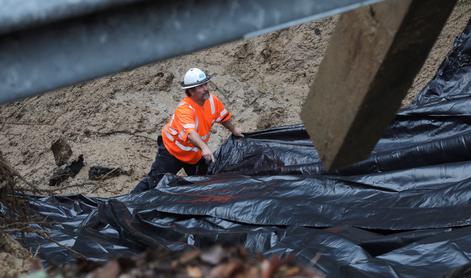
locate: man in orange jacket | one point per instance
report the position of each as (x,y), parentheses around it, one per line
(184,139)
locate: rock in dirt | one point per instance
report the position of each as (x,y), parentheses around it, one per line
(164,81)
(103,172)
(61,150)
(65,171)
(271,119)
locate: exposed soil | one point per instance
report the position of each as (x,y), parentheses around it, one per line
(14,259)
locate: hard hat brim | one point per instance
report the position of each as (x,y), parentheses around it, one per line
(188,86)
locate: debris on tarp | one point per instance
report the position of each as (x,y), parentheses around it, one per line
(215,262)
(66,171)
(103,172)
(403,212)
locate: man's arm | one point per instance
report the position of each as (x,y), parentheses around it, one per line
(197,141)
(234,130)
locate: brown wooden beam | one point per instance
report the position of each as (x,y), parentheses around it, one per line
(372,59)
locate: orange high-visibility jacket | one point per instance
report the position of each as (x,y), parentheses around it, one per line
(191,116)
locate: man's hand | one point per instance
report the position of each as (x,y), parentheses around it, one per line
(197,141)
(234,130)
(208,154)
(237,132)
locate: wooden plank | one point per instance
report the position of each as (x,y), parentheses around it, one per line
(372,59)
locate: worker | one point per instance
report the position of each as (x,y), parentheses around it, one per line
(184,139)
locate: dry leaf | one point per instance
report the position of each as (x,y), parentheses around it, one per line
(194,272)
(189,256)
(226,270)
(291,271)
(214,255)
(109,270)
(270,267)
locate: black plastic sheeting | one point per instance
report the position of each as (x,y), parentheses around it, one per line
(405,211)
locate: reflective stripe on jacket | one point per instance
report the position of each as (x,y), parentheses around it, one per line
(190,116)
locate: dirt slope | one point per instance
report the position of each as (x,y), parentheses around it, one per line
(113,121)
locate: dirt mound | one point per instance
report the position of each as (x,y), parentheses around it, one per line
(114,121)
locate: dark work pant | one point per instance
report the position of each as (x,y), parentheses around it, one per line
(166,163)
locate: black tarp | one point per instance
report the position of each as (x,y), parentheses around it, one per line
(405,211)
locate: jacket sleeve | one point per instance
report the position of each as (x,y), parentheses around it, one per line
(222,115)
(184,121)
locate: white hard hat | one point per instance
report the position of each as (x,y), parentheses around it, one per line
(193,78)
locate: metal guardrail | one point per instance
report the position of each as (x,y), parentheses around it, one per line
(45,45)
(21,14)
